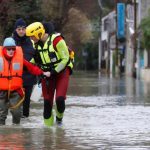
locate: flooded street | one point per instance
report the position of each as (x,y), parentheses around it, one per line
(102,113)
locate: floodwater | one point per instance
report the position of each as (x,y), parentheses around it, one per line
(102,113)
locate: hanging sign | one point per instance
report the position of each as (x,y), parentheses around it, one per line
(120,20)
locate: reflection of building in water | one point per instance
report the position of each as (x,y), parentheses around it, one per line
(146,87)
(130,86)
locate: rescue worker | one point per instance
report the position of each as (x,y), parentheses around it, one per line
(19,35)
(51,55)
(11,91)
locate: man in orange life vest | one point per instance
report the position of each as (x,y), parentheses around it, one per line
(11,69)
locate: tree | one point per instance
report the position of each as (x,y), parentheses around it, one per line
(145,28)
(78,28)
(5,20)
(71,21)
(10,10)
(77,20)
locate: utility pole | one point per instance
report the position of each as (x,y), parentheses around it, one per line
(135,43)
(116,34)
(100,42)
(138,42)
(116,47)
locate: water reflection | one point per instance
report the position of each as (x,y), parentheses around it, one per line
(102,113)
(16,138)
(10,139)
(99,85)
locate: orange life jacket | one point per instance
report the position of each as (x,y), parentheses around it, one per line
(11,72)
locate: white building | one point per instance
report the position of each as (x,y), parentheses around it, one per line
(108,37)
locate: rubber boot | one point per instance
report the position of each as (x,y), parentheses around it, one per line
(59,117)
(50,121)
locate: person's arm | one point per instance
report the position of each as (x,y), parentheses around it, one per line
(62,49)
(35,70)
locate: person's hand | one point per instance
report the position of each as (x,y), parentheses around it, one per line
(47,74)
